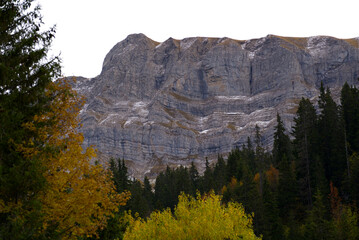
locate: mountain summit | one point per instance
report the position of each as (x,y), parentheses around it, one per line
(170,103)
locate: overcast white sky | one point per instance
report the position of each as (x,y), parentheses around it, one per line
(88,29)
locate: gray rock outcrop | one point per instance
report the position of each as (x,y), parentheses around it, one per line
(170,103)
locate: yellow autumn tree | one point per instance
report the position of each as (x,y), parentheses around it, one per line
(79,196)
(203,217)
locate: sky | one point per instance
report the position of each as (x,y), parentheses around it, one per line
(88,29)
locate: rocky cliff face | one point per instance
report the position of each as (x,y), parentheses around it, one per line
(170,103)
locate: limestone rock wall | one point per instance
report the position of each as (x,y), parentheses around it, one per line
(170,103)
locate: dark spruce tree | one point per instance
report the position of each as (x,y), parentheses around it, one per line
(219,174)
(317,225)
(149,196)
(249,155)
(282,143)
(195,179)
(169,185)
(207,179)
(305,144)
(119,174)
(287,186)
(272,226)
(138,202)
(260,158)
(331,138)
(233,170)
(287,190)
(25,71)
(350,113)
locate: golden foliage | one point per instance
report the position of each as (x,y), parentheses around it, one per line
(256,178)
(79,196)
(194,218)
(272,175)
(233,182)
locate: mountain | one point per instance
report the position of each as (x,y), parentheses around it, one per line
(170,103)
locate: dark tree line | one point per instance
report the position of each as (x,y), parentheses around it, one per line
(306,188)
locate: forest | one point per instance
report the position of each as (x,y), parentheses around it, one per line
(305,188)
(50,187)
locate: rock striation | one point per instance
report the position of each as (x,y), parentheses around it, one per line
(170,103)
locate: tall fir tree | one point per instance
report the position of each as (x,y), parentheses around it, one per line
(272,226)
(317,225)
(259,158)
(25,72)
(207,182)
(149,196)
(194,176)
(233,165)
(305,142)
(287,190)
(219,174)
(282,143)
(138,203)
(331,138)
(120,174)
(349,99)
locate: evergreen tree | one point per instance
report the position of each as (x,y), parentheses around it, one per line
(148,195)
(317,225)
(281,145)
(160,192)
(183,182)
(138,202)
(350,116)
(331,138)
(120,174)
(232,165)
(25,72)
(305,142)
(169,185)
(207,179)
(249,155)
(219,174)
(287,190)
(354,178)
(350,113)
(272,226)
(259,158)
(194,176)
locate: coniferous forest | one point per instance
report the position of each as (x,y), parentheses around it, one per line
(305,188)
